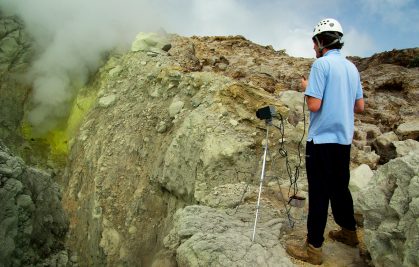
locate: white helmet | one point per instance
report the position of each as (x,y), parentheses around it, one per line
(327,25)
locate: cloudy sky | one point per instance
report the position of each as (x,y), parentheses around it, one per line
(72,35)
(370,26)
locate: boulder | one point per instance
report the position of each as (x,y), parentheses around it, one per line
(204,236)
(292,99)
(295,102)
(151,42)
(390,205)
(365,134)
(360,177)
(409,130)
(384,147)
(405,147)
(365,156)
(175,107)
(106,101)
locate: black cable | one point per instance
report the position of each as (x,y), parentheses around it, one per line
(293,177)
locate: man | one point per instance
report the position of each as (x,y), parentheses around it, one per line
(333,94)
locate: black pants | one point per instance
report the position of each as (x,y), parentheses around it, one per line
(328,179)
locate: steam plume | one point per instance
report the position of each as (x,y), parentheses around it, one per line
(70,38)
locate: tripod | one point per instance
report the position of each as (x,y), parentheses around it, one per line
(268,122)
(267,113)
(294,201)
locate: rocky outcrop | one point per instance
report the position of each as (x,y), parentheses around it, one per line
(244,61)
(390,204)
(204,236)
(167,138)
(33,223)
(408,58)
(15,45)
(15,54)
(391,96)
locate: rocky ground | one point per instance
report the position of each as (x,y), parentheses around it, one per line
(164,169)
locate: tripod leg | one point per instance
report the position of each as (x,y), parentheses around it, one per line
(261,182)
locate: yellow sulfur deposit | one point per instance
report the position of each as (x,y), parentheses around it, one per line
(57,140)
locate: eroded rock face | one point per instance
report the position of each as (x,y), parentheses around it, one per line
(140,158)
(391,96)
(15,45)
(236,57)
(33,222)
(15,54)
(390,205)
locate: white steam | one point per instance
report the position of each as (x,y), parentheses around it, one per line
(70,39)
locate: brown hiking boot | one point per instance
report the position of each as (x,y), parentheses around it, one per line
(305,252)
(345,236)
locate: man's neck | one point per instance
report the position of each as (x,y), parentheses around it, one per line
(325,50)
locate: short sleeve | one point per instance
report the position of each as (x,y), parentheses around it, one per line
(316,81)
(359,93)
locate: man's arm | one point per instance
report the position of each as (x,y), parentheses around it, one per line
(313,103)
(359,106)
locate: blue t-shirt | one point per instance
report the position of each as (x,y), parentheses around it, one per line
(336,81)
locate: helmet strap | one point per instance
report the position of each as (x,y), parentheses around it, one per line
(321,46)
